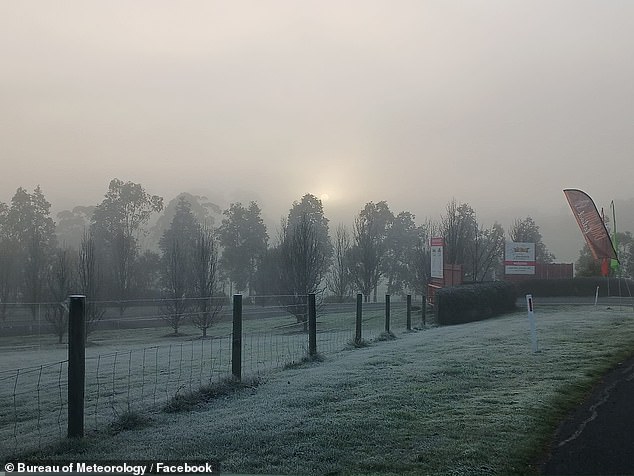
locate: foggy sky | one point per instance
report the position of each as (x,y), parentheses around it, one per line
(500,104)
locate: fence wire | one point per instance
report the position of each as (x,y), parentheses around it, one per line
(34,400)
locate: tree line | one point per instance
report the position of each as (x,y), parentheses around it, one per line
(102,252)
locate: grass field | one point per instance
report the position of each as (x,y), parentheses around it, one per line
(143,369)
(468,399)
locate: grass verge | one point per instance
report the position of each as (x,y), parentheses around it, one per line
(470,399)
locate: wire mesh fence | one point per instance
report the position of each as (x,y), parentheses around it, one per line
(140,376)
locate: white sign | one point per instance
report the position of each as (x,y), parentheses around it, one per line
(519,258)
(437,246)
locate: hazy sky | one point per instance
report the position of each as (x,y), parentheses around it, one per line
(500,104)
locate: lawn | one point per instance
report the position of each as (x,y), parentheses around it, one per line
(468,399)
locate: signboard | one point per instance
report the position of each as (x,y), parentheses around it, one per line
(519,258)
(437,247)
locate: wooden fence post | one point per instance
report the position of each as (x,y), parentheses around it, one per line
(357,337)
(76,365)
(236,341)
(409,312)
(387,313)
(312,325)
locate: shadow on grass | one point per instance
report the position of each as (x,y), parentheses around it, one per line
(183,402)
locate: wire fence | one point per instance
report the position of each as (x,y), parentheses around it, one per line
(137,377)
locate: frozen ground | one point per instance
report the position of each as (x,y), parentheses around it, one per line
(468,399)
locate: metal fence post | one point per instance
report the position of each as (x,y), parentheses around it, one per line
(312,325)
(76,365)
(424,310)
(387,313)
(357,337)
(236,341)
(409,312)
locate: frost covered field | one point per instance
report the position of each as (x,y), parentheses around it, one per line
(468,399)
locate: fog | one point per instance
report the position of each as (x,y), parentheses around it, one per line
(495,103)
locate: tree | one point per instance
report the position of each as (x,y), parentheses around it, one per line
(90,279)
(206,284)
(340,277)
(32,230)
(458,228)
(8,262)
(183,229)
(586,265)
(303,253)
(244,239)
(205,212)
(146,274)
(176,285)
(117,223)
(61,279)
(401,238)
(303,265)
(369,249)
(625,250)
(527,231)
(420,262)
(486,252)
(177,244)
(71,225)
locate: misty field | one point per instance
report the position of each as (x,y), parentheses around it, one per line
(468,399)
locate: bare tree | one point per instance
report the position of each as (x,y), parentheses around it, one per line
(420,262)
(206,283)
(369,249)
(486,251)
(60,282)
(89,280)
(303,264)
(176,285)
(339,280)
(458,227)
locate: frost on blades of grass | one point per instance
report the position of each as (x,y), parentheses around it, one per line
(468,399)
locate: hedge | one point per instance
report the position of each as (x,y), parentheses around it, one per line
(474,302)
(579,287)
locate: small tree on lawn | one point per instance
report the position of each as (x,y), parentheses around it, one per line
(206,283)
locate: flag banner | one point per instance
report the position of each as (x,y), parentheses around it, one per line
(591,224)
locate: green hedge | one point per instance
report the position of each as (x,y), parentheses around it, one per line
(474,302)
(580,287)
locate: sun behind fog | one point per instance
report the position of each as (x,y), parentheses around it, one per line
(324,197)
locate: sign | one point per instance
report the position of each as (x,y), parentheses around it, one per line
(437,247)
(519,258)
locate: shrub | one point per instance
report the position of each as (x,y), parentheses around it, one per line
(579,287)
(474,302)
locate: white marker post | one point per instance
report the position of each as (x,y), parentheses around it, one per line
(596,297)
(531,322)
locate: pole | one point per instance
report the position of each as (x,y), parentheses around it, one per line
(312,325)
(387,313)
(236,340)
(357,337)
(531,322)
(76,365)
(409,312)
